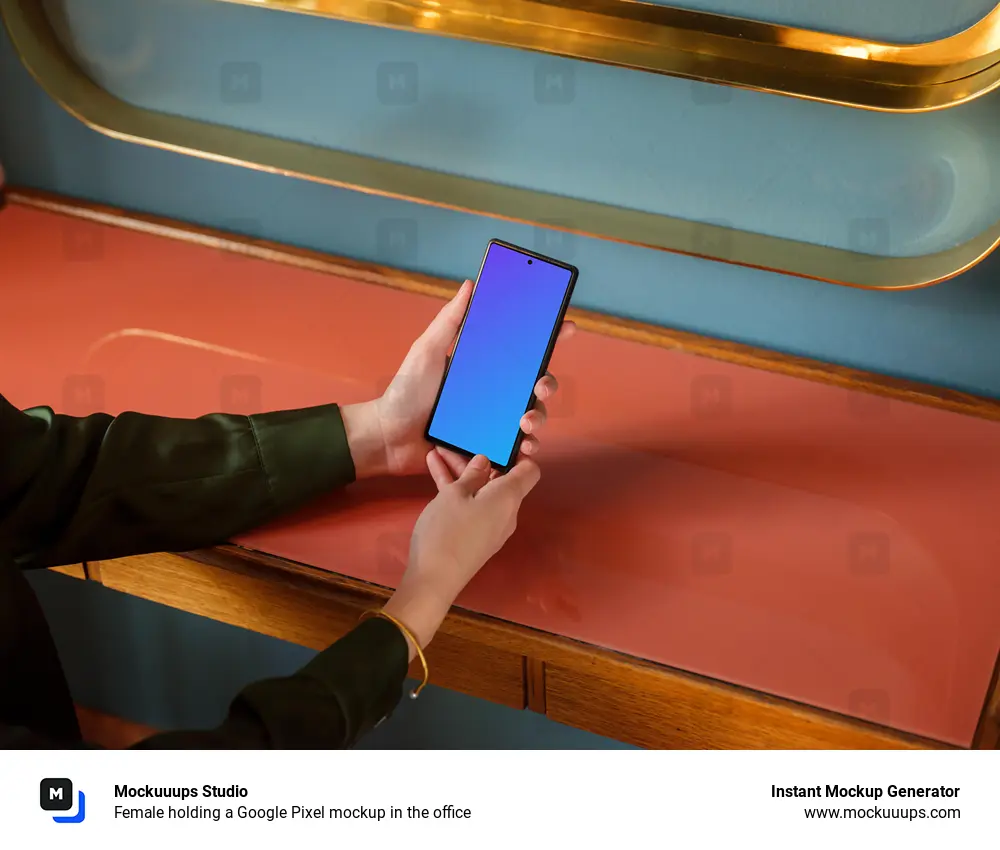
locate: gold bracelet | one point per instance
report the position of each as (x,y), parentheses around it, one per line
(378,612)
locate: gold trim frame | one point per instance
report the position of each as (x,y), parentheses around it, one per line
(43,55)
(697,45)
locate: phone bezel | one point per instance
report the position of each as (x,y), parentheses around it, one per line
(553,337)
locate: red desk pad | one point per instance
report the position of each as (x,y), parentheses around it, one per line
(807,541)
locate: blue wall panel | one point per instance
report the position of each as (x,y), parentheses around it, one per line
(944,334)
(764,163)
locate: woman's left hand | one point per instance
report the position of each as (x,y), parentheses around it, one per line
(387,435)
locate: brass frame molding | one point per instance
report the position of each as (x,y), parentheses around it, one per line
(46,59)
(697,45)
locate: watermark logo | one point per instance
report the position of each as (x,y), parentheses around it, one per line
(241,394)
(868,553)
(869,703)
(396,241)
(555,82)
(554,242)
(713,239)
(711,396)
(56,795)
(397,83)
(83,395)
(83,241)
(712,554)
(400,394)
(869,236)
(240,82)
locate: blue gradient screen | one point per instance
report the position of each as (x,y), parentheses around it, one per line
(499,353)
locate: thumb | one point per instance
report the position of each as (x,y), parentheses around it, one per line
(442,331)
(474,476)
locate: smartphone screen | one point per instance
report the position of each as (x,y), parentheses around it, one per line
(503,348)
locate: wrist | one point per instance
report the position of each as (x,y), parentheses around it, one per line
(364,439)
(420,609)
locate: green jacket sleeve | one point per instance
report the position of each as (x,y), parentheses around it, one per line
(98,487)
(331,702)
(79,489)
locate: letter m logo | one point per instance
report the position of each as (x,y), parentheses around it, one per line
(56,795)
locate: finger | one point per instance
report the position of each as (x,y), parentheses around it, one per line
(476,474)
(520,481)
(546,387)
(534,420)
(455,462)
(442,331)
(439,470)
(530,446)
(567,331)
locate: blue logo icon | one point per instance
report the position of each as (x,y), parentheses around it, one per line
(56,795)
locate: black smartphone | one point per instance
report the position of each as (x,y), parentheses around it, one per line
(503,347)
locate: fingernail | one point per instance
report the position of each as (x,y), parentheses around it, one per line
(480,462)
(526,426)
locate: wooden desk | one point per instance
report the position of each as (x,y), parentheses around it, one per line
(594,689)
(730,547)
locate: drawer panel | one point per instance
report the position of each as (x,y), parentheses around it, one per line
(665,710)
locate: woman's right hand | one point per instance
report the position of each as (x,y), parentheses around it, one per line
(457,533)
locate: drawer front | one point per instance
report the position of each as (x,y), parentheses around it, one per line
(665,710)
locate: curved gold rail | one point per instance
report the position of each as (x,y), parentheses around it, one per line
(715,48)
(45,58)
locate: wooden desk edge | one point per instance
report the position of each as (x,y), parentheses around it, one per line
(595,689)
